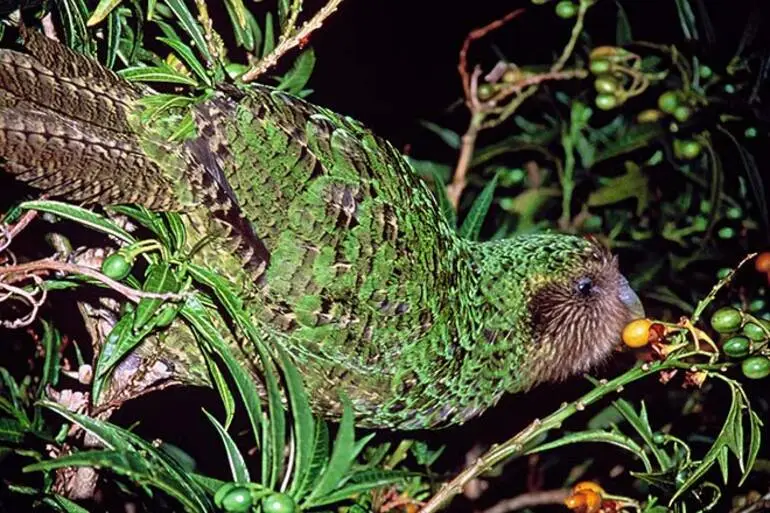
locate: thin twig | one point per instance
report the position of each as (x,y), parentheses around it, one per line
(526,500)
(473,35)
(29,298)
(134,295)
(10,232)
(290,42)
(577,28)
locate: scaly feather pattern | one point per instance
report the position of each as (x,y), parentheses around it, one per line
(337,247)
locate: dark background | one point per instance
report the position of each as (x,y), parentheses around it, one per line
(390,63)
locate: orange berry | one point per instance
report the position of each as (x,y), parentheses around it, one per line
(762,263)
(593,501)
(588,485)
(637,333)
(576,502)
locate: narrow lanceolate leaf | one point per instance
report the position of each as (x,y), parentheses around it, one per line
(471,226)
(161,278)
(363,482)
(608,437)
(103,9)
(269,42)
(341,458)
(755,440)
(186,54)
(81,215)
(114,31)
(234,457)
(733,416)
(161,73)
(299,74)
(190,24)
(318,461)
(274,429)
(303,422)
(239,11)
(129,454)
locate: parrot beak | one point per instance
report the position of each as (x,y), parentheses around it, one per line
(631,300)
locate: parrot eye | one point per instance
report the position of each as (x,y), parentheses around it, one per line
(584,286)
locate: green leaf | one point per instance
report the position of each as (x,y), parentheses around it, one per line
(129,455)
(631,185)
(103,9)
(241,20)
(117,345)
(299,74)
(11,430)
(114,31)
(269,42)
(362,482)
(452,139)
(623,34)
(80,215)
(602,436)
(184,18)
(187,56)
(177,230)
(274,429)
(238,467)
(64,504)
(73,15)
(342,455)
(445,205)
(239,12)
(303,422)
(755,440)
(687,19)
(721,441)
(161,73)
(641,424)
(161,278)
(318,462)
(471,226)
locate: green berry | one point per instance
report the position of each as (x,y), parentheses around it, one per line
(599,66)
(754,331)
(658,438)
(116,266)
(729,88)
(726,319)
(566,9)
(606,84)
(757,305)
(750,132)
(668,101)
(705,72)
(726,233)
(687,149)
(485,91)
(606,101)
(734,213)
(278,503)
(736,347)
(723,272)
(237,500)
(756,367)
(682,113)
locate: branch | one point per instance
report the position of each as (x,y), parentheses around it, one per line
(132,294)
(290,42)
(518,444)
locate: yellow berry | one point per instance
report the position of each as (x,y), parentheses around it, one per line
(637,333)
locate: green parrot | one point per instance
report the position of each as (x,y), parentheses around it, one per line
(335,245)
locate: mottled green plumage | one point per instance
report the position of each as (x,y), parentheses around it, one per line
(336,245)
